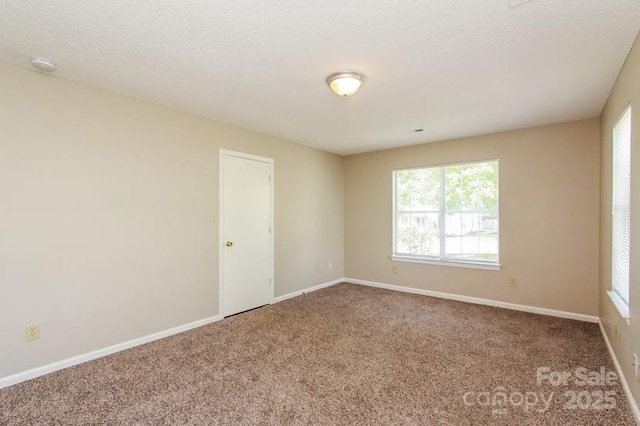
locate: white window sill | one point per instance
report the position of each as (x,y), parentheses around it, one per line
(472,265)
(623,308)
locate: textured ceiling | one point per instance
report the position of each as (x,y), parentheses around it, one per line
(451,67)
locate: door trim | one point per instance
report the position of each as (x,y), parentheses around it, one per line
(221,163)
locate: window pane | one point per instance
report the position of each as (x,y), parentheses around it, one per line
(471,236)
(417,233)
(471,186)
(463,196)
(418,189)
(621,200)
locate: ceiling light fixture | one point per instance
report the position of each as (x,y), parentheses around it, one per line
(345,83)
(43,64)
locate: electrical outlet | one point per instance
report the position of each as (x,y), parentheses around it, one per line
(635,365)
(513,282)
(32,332)
(395,269)
(330,265)
(616,328)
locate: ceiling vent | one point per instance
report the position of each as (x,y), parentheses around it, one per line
(515,3)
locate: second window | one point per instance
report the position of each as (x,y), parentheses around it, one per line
(447,213)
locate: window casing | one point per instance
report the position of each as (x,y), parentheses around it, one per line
(447,214)
(621,212)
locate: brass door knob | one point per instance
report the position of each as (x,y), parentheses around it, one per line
(229,243)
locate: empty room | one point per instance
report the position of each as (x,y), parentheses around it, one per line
(326,213)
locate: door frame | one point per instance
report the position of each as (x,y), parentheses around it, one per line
(223,153)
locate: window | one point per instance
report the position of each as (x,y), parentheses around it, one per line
(447,214)
(621,213)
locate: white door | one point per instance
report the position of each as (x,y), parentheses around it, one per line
(246,231)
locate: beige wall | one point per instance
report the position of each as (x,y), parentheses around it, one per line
(548,217)
(627,340)
(106,230)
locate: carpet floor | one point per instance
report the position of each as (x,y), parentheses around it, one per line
(345,355)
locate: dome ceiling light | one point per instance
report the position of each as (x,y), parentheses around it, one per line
(345,83)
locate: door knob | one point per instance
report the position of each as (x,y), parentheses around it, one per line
(229,243)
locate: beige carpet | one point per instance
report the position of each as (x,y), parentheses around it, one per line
(346,355)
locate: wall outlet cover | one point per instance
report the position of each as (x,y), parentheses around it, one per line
(31,332)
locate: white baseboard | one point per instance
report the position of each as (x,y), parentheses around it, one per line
(306,290)
(623,380)
(79,359)
(478,301)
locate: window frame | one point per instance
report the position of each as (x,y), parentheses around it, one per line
(441,260)
(619,300)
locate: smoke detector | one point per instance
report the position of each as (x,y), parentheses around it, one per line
(43,64)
